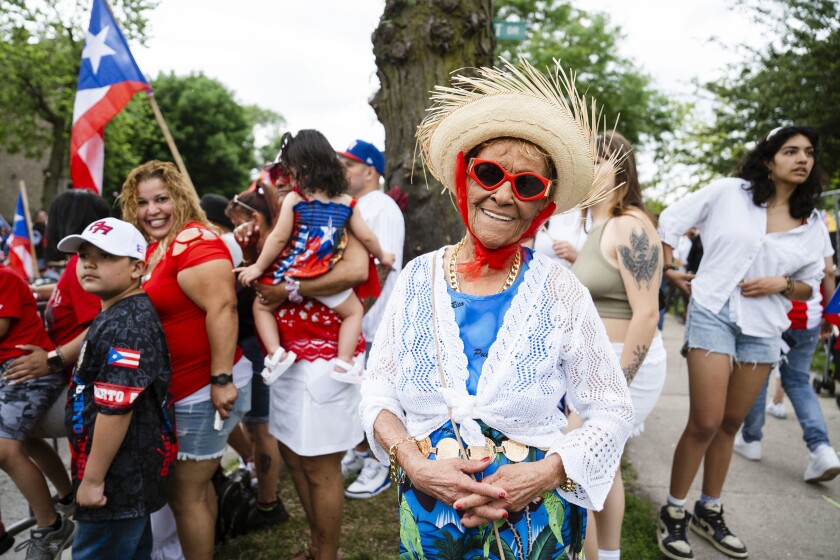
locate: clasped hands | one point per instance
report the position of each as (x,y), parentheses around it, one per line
(510,488)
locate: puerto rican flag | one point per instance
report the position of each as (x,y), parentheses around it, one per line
(123,357)
(20,251)
(108,78)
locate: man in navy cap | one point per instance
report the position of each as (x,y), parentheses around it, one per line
(364,164)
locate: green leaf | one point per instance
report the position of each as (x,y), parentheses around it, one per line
(544,545)
(409,532)
(556,514)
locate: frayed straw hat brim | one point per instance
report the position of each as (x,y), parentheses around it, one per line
(517,116)
(518,101)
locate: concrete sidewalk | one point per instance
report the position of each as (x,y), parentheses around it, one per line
(767,503)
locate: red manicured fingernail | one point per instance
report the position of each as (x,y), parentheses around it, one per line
(505,515)
(502,494)
(457,507)
(485,460)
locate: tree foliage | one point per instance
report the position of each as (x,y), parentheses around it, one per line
(793,79)
(41,44)
(590,44)
(213,132)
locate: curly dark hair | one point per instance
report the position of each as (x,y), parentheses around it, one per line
(313,163)
(754,169)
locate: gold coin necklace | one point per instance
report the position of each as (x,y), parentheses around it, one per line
(453,261)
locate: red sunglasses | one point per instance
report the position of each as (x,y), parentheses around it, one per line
(490,176)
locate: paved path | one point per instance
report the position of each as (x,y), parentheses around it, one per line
(767,503)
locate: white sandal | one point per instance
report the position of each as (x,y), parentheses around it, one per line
(274,368)
(352,373)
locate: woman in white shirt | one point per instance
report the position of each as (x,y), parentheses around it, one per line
(481,342)
(762,248)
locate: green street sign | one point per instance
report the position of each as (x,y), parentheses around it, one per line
(509,30)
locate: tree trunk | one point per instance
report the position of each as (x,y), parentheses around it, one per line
(417,45)
(55,167)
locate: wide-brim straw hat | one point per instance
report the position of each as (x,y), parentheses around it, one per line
(519,101)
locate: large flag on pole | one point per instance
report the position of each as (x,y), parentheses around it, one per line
(20,251)
(108,78)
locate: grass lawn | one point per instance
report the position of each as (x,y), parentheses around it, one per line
(370,529)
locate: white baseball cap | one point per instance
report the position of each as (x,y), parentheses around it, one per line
(112,236)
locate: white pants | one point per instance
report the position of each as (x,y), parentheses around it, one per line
(648,383)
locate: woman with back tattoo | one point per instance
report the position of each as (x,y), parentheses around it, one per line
(621,264)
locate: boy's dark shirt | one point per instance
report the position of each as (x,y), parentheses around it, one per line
(109,379)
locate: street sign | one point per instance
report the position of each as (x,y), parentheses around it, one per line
(509,30)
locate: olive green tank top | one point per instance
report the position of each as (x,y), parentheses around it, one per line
(602,279)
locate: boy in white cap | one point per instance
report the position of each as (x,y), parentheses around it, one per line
(119,415)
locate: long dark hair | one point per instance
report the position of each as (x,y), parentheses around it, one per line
(313,163)
(629,193)
(753,168)
(70,213)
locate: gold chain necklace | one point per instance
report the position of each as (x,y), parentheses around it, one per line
(511,277)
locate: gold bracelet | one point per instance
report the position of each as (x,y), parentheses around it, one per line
(789,288)
(392,455)
(568,485)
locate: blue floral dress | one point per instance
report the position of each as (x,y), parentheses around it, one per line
(549,528)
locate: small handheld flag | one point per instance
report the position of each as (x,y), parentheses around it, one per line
(20,250)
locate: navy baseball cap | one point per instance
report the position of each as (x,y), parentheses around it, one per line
(367,153)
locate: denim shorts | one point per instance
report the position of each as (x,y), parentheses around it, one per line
(197,440)
(715,332)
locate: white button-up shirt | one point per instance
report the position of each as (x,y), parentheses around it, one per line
(736,246)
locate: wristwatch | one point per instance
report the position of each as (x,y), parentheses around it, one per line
(671,266)
(222,380)
(55,360)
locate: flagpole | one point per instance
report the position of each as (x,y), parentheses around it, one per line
(28,221)
(150,95)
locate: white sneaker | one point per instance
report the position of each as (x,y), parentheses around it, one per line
(352,463)
(777,410)
(372,480)
(751,450)
(823,464)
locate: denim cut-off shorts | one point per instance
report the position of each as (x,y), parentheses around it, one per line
(197,440)
(715,332)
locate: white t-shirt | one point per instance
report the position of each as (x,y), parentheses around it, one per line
(384,217)
(562,227)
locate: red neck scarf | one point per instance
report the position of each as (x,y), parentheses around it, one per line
(494,258)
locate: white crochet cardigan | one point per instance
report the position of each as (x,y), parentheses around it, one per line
(551,343)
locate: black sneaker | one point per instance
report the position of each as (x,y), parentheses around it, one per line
(670,533)
(261,518)
(6,542)
(708,523)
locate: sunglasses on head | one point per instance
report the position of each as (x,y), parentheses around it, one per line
(490,176)
(243,205)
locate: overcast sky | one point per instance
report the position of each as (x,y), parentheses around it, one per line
(312,61)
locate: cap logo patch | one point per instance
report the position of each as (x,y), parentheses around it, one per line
(100,227)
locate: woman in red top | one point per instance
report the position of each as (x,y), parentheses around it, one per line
(191,284)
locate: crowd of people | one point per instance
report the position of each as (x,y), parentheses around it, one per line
(495,381)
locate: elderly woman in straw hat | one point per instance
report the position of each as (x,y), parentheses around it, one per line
(484,342)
